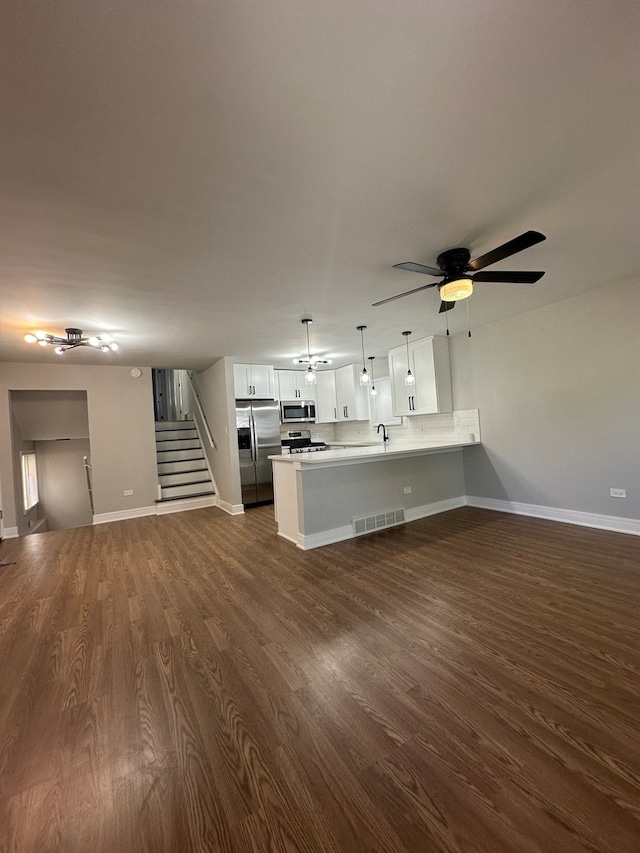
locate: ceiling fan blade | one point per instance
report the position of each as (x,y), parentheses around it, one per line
(518,244)
(509,277)
(446,306)
(406,293)
(410,266)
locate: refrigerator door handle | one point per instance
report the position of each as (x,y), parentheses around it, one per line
(254,442)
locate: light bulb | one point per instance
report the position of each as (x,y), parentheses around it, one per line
(94,341)
(409,378)
(105,338)
(42,341)
(41,335)
(364,376)
(374,391)
(309,376)
(59,350)
(104,348)
(30,339)
(113,346)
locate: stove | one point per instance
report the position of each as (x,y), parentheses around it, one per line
(299,441)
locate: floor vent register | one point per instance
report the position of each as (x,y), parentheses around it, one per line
(376,522)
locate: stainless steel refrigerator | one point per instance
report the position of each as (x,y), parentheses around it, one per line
(258,423)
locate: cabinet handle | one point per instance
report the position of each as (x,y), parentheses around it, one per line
(335,414)
(346,411)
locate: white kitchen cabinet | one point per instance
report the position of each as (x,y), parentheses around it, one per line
(255,381)
(429,362)
(326,403)
(291,386)
(351,396)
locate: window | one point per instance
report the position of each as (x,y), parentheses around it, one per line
(29,480)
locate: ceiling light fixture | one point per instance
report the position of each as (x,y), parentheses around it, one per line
(374,390)
(459,287)
(74,339)
(309,376)
(409,378)
(364,376)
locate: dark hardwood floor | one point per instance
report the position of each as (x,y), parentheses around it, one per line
(189,682)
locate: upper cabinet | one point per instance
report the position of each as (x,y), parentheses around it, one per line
(255,381)
(351,397)
(429,362)
(291,386)
(326,404)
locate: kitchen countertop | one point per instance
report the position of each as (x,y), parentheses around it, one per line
(358,452)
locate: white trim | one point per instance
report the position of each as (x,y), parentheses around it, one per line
(10,533)
(182,504)
(339,534)
(123,514)
(566,516)
(231,509)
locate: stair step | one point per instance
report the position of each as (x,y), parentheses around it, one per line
(172,434)
(195,495)
(195,464)
(184,477)
(187,490)
(162,425)
(175,444)
(176,455)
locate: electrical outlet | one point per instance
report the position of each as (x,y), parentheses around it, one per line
(128,492)
(407,490)
(618,493)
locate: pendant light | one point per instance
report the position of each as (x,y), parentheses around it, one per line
(374,390)
(309,376)
(409,378)
(364,376)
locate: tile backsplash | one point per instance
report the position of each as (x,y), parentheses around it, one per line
(416,427)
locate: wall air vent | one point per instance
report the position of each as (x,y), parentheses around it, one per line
(376,522)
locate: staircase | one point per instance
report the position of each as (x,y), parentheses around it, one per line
(182,467)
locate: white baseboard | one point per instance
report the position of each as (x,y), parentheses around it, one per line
(183,504)
(231,509)
(339,534)
(123,514)
(567,516)
(10,533)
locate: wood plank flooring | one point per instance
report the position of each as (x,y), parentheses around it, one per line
(190,682)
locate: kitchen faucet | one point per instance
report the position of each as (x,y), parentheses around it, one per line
(385,437)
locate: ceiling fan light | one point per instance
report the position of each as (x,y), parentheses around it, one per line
(113,346)
(30,339)
(59,350)
(41,336)
(43,342)
(456,289)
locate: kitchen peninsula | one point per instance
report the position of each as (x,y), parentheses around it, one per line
(327,497)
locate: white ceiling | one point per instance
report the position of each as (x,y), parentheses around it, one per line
(195,177)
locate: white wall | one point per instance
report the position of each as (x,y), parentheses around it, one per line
(558,390)
(121,430)
(62,484)
(216,389)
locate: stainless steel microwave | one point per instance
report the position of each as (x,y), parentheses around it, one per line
(297,412)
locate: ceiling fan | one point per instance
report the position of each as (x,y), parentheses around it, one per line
(459,273)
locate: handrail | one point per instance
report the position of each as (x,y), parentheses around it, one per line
(196,397)
(87,471)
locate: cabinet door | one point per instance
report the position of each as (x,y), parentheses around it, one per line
(305,392)
(287,385)
(242,380)
(326,405)
(263,381)
(351,396)
(433,376)
(402,396)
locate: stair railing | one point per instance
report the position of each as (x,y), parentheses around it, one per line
(203,417)
(87,471)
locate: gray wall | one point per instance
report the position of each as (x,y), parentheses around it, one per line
(333,496)
(62,484)
(558,390)
(121,430)
(216,389)
(48,415)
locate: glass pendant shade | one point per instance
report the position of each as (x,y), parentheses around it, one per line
(374,390)
(459,288)
(409,378)
(364,374)
(310,376)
